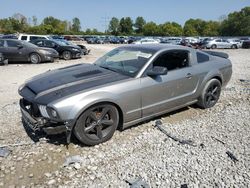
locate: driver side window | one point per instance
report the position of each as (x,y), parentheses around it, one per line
(173,60)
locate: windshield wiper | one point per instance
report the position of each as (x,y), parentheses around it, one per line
(108,68)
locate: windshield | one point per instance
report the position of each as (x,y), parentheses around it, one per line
(61,43)
(125,61)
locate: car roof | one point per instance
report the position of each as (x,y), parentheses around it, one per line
(155,47)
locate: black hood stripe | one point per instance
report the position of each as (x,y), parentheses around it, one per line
(71,84)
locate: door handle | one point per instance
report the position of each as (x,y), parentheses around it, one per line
(189,75)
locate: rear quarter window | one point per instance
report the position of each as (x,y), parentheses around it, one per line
(201,58)
(24,38)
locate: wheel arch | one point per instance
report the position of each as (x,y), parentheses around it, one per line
(120,112)
(217,77)
(212,75)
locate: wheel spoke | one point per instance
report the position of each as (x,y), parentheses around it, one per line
(214,96)
(99,132)
(104,112)
(214,90)
(90,127)
(107,122)
(209,98)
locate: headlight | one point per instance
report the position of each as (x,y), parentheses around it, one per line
(48,112)
(75,49)
(52,112)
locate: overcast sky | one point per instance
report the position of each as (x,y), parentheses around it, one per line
(93,13)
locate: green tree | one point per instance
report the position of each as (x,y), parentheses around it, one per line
(76,26)
(211,28)
(126,26)
(151,29)
(12,25)
(50,20)
(114,26)
(171,29)
(54,26)
(193,27)
(237,23)
(139,23)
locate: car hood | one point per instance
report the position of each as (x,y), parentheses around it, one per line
(53,85)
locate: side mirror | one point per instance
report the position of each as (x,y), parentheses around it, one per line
(19,46)
(157,70)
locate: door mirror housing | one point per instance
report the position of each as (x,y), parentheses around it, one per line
(157,70)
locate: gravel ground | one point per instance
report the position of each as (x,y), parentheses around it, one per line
(141,151)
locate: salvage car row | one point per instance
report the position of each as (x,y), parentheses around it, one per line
(196,42)
(39,49)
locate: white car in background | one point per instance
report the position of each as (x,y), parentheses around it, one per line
(192,40)
(235,42)
(219,43)
(146,41)
(27,37)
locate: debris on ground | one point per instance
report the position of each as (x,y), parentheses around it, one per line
(184,186)
(158,124)
(218,140)
(232,156)
(138,183)
(4,152)
(245,81)
(19,144)
(72,160)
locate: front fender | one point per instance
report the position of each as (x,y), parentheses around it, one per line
(73,107)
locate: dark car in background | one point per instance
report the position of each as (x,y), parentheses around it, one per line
(246,43)
(73,38)
(16,51)
(65,51)
(84,50)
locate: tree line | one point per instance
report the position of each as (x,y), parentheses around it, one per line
(235,24)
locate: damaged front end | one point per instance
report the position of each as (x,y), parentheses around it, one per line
(40,117)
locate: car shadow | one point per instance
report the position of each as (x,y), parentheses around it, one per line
(159,117)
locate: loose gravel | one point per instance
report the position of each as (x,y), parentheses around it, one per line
(142,151)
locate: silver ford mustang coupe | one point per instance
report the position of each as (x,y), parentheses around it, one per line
(128,85)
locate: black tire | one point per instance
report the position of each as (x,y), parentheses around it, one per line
(213,46)
(97,124)
(210,94)
(35,58)
(67,55)
(234,46)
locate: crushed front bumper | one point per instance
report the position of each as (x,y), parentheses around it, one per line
(40,123)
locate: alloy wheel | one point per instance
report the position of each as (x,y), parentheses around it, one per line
(212,94)
(97,124)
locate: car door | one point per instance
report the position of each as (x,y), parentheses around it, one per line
(4,49)
(219,43)
(168,91)
(49,44)
(15,50)
(226,44)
